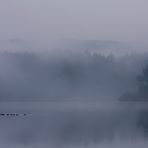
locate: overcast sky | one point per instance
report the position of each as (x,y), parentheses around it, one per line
(125,20)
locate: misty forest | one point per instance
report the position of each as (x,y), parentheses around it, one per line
(73,73)
(76,75)
(69,88)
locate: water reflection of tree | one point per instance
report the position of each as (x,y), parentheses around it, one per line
(140,97)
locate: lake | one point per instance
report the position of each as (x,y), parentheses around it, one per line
(73,124)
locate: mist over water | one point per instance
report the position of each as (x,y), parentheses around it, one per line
(73,74)
(71,124)
(66,98)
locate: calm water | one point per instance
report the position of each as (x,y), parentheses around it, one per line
(72,124)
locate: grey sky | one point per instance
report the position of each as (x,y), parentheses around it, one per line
(125,20)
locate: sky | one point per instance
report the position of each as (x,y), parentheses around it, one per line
(124,20)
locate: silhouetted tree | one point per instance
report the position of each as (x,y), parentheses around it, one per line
(142,91)
(140,96)
(143,84)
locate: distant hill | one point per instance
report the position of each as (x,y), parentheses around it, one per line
(101,46)
(105,46)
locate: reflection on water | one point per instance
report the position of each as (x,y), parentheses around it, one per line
(73,124)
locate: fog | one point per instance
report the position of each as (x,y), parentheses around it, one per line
(62,75)
(73,73)
(65,98)
(98,124)
(45,20)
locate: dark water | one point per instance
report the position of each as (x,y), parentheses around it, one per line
(71,124)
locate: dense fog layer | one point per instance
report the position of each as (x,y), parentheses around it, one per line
(73,73)
(68,75)
(70,99)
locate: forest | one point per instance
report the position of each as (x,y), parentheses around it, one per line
(70,75)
